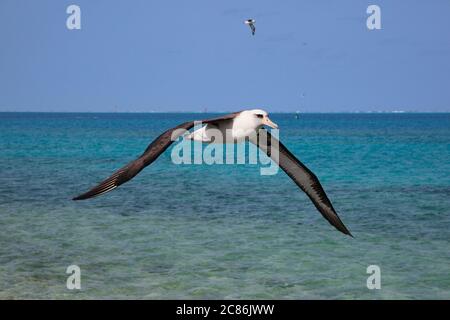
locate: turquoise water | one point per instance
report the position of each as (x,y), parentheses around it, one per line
(200,231)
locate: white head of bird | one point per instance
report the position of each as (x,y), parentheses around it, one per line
(248,122)
(254,119)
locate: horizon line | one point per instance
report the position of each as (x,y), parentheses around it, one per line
(210,112)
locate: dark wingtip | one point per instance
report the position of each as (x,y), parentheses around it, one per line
(340,226)
(81,197)
(345,231)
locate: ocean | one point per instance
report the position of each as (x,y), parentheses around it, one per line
(224,231)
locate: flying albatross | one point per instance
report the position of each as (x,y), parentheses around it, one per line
(243,125)
(251,24)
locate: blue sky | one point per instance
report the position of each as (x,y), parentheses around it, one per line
(311,55)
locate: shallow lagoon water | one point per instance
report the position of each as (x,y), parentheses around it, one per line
(224,231)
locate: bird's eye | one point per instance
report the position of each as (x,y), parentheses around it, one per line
(259,115)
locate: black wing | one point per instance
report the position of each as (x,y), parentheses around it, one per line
(153,151)
(252,26)
(301,175)
(126,173)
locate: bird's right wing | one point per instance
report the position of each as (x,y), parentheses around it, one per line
(253,28)
(301,175)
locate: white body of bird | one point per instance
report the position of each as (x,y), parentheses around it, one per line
(234,130)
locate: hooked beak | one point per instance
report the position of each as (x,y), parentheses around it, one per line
(269,123)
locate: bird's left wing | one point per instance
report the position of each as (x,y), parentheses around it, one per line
(252,26)
(301,175)
(153,151)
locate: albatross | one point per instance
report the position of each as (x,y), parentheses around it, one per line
(251,24)
(245,125)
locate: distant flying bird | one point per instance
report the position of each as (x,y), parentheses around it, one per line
(251,24)
(243,125)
